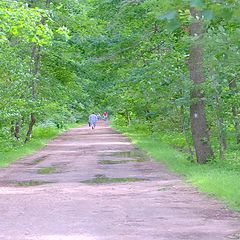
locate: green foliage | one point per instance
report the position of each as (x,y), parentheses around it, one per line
(18,21)
(53,73)
(12,150)
(143,66)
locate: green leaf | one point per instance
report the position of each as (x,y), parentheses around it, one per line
(227,13)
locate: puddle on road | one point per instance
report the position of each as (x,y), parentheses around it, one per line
(119,157)
(103,162)
(101,179)
(30,183)
(123,157)
(126,154)
(47,170)
(134,155)
(164,189)
(55,168)
(36,161)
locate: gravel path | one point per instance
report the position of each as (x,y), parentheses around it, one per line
(95,185)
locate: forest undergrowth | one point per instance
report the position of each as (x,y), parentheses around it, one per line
(12,150)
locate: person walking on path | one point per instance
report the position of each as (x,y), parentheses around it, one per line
(105,116)
(92,119)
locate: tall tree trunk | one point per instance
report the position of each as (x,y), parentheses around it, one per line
(17,130)
(30,128)
(34,68)
(197,109)
(233,86)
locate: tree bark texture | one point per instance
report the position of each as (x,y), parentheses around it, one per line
(17,130)
(30,128)
(197,109)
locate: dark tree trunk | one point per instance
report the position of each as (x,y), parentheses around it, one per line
(30,128)
(17,130)
(197,110)
(233,86)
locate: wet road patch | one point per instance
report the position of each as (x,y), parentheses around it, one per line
(30,183)
(100,179)
(47,170)
(36,161)
(121,161)
(125,154)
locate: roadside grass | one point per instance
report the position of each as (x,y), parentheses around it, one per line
(217,178)
(41,136)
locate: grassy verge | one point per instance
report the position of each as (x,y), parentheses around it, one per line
(219,179)
(41,136)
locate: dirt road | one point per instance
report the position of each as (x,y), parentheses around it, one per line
(95,185)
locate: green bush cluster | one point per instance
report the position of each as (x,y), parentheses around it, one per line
(11,150)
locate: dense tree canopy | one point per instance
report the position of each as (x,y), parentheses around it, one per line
(163,65)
